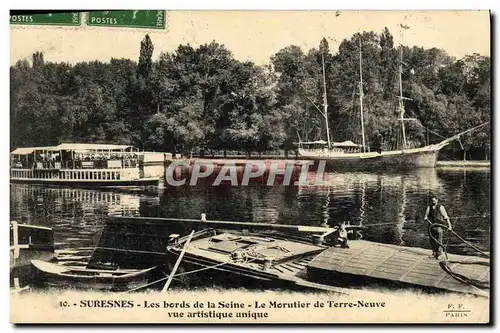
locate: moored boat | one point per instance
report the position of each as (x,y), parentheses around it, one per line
(265,260)
(319,261)
(368,263)
(28,242)
(350,155)
(267,255)
(56,275)
(79,165)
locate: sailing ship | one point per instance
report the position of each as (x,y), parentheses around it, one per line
(352,155)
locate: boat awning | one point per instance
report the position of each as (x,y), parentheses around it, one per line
(347,143)
(318,142)
(28,150)
(83,147)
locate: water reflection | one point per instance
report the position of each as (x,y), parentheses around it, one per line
(76,215)
(390,205)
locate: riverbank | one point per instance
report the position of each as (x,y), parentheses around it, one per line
(469,164)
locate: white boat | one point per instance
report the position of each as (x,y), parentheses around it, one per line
(351,155)
(79,165)
(81,277)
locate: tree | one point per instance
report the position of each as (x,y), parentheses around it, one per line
(38,60)
(201,98)
(145,58)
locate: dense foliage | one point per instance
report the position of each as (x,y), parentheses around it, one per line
(203,99)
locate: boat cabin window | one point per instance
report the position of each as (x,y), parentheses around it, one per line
(75,156)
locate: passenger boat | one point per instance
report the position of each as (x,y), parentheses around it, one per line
(79,165)
(57,275)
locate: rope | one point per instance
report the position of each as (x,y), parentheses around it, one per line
(444,263)
(483,252)
(431,131)
(176,275)
(435,133)
(184,273)
(460,217)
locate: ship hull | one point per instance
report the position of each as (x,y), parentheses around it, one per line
(403,159)
(87,183)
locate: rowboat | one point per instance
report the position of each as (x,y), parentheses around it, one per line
(56,275)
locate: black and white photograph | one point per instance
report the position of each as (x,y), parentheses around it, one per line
(174,166)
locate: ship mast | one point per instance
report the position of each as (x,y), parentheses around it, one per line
(401,98)
(361,97)
(325,103)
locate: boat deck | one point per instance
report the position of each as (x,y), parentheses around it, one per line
(366,260)
(289,257)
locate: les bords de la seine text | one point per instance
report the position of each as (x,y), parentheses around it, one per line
(228,304)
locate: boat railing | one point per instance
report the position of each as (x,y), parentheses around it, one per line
(77,164)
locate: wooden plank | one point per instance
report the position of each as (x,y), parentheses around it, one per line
(348,267)
(484,275)
(177,263)
(384,275)
(419,281)
(412,267)
(430,277)
(394,263)
(296,265)
(436,273)
(287,267)
(384,259)
(220,224)
(400,264)
(360,261)
(395,273)
(276,267)
(354,271)
(454,285)
(359,252)
(440,278)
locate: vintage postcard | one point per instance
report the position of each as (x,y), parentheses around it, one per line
(250,167)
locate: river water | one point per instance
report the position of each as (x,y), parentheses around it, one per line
(391,205)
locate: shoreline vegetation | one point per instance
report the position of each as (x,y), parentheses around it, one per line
(195,101)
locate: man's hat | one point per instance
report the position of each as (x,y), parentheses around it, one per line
(432,195)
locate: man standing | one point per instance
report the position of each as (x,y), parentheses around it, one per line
(436,213)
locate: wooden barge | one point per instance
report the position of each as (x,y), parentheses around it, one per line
(270,260)
(368,262)
(284,255)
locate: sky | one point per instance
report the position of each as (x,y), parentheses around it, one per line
(255,35)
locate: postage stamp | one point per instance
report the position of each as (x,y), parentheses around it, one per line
(62,19)
(250,167)
(153,19)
